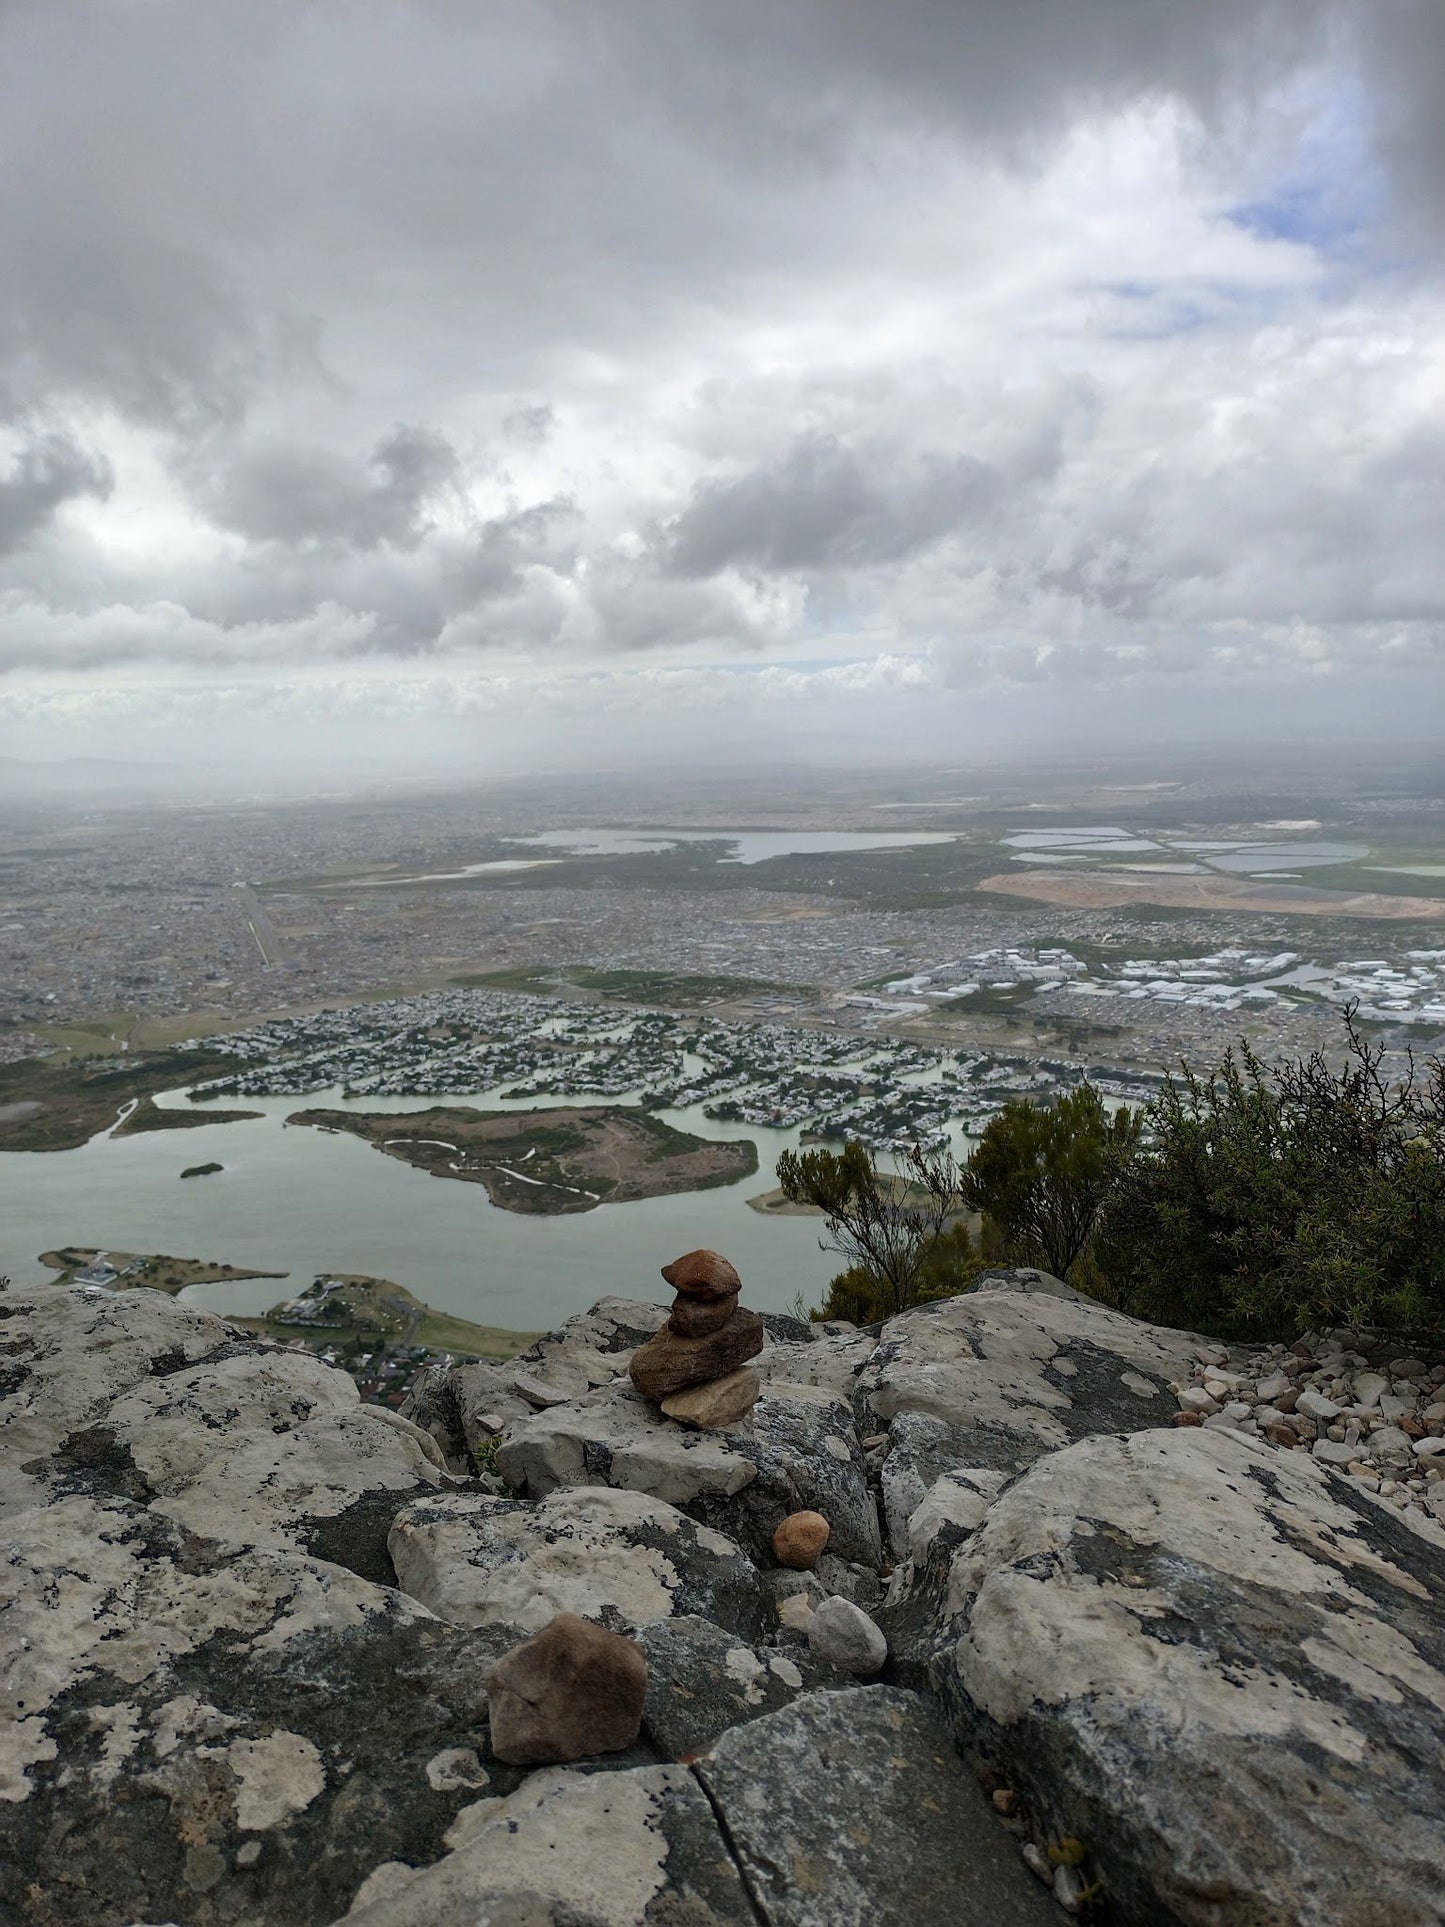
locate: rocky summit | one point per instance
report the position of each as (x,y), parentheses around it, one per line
(1008,1610)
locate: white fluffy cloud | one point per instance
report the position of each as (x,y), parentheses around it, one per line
(587,349)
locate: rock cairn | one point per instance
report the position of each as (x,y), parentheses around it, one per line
(696,1368)
(1381,1422)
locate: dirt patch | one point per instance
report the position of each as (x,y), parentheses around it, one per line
(1094,890)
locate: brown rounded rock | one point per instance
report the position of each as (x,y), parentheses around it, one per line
(800,1539)
(572,1690)
(703,1274)
(668,1364)
(696,1317)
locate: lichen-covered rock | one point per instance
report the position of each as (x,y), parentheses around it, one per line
(798,1450)
(197,1733)
(631,1849)
(618,1557)
(572,1689)
(1000,1376)
(831,1359)
(614,1437)
(1220,1666)
(852,1809)
(702,1680)
(256,1447)
(65,1355)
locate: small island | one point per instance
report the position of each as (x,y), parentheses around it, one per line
(123,1270)
(351,1312)
(201,1170)
(148,1116)
(374,1327)
(545,1163)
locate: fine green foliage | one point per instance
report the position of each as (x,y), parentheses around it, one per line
(893,1231)
(1041,1173)
(1272,1200)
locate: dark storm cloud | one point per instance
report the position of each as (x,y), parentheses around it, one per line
(50,469)
(300,495)
(824,506)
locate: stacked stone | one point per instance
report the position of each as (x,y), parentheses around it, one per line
(696,1367)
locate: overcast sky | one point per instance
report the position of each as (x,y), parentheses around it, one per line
(506,381)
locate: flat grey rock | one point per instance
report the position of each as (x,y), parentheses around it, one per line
(632,1849)
(702,1680)
(798,1450)
(852,1809)
(999,1377)
(1220,1666)
(617,1557)
(203,1733)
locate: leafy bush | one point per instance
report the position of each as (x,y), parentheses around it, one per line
(1040,1175)
(895,1231)
(1271,1200)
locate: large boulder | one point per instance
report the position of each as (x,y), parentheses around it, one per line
(1221,1668)
(798,1450)
(632,1849)
(702,1680)
(203,1734)
(66,1354)
(257,1447)
(852,1809)
(999,1377)
(618,1557)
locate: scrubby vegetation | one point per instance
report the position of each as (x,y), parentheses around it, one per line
(1251,1201)
(1274,1199)
(902,1235)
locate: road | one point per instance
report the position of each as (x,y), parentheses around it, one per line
(273,951)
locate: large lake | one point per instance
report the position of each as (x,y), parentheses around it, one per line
(744,846)
(302,1201)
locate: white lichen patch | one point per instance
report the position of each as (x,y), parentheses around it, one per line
(23,1743)
(746,1670)
(455,1768)
(990,1358)
(784,1669)
(581,1550)
(275,1777)
(592,1842)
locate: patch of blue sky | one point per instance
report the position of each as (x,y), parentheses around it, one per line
(1332,194)
(1158,311)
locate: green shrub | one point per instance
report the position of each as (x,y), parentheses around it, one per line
(895,1230)
(1273,1200)
(1041,1174)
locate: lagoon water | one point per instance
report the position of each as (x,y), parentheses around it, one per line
(744,846)
(302,1201)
